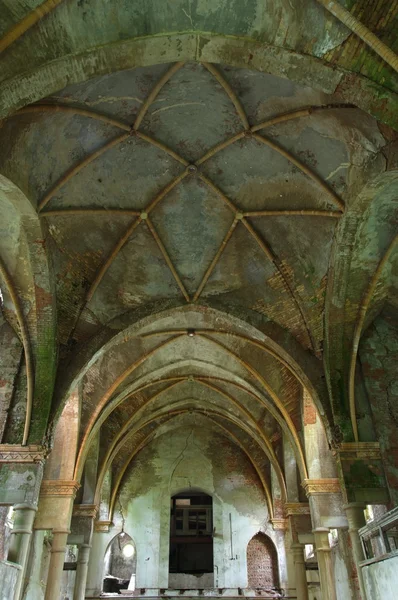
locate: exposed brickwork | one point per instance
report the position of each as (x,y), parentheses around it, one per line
(262,562)
(309,410)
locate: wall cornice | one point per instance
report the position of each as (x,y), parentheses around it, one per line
(15,453)
(59,487)
(321,486)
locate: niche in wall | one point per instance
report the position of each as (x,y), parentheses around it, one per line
(262,563)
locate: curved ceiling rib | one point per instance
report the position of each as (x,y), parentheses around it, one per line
(239,336)
(152,399)
(230,93)
(98,416)
(282,269)
(179,379)
(26,347)
(110,391)
(155,92)
(122,471)
(176,411)
(13,34)
(358,330)
(274,397)
(147,440)
(80,166)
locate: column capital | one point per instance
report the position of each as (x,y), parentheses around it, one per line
(297,508)
(298,552)
(103,526)
(59,487)
(355,515)
(85,510)
(321,486)
(279,523)
(353,505)
(16,453)
(357,450)
(321,539)
(25,506)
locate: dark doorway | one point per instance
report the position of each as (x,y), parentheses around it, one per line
(191,538)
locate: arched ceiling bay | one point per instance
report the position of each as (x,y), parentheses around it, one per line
(225,375)
(187,187)
(195,185)
(70,41)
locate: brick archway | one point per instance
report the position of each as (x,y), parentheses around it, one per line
(262,562)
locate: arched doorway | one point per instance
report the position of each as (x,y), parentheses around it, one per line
(120,565)
(191,541)
(262,563)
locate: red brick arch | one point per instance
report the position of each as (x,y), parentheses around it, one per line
(262,562)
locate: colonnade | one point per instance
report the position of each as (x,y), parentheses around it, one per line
(88,526)
(83,529)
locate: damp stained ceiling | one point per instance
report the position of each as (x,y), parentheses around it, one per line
(192,198)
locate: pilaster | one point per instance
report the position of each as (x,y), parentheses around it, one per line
(362,471)
(300,571)
(58,550)
(356,520)
(81,571)
(56,503)
(326,575)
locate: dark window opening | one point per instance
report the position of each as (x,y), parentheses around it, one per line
(191,534)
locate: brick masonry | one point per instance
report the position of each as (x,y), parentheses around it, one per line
(262,562)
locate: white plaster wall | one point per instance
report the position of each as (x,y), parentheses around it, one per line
(381,579)
(8,578)
(192,457)
(342,567)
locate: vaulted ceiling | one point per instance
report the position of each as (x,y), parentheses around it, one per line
(184,236)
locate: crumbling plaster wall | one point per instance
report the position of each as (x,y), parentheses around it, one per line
(8,577)
(193,456)
(343,567)
(379,355)
(381,579)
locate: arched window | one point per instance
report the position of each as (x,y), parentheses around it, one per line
(120,564)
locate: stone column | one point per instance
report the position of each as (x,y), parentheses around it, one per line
(81,572)
(101,537)
(300,571)
(280,527)
(24,515)
(325,566)
(54,512)
(356,520)
(34,589)
(300,521)
(56,568)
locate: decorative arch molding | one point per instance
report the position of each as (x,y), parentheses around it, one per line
(183,411)
(27,287)
(211,47)
(179,409)
(162,375)
(257,331)
(369,241)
